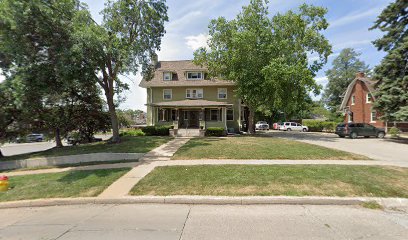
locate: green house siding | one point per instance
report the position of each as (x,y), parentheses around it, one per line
(210,93)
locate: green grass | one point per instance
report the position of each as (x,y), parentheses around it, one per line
(372,205)
(258,148)
(128,144)
(275,180)
(61,185)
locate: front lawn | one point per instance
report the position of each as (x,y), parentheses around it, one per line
(275,180)
(257,148)
(128,144)
(61,185)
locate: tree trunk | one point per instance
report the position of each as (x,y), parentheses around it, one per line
(114,118)
(58,138)
(251,121)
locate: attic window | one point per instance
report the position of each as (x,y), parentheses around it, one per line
(194,75)
(368,98)
(167,76)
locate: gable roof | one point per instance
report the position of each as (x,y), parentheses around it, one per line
(359,77)
(179,70)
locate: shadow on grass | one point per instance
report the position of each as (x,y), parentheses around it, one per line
(74,176)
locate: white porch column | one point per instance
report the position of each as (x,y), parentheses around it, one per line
(224,109)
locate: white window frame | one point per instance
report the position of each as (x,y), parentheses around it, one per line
(189,93)
(371,97)
(353,100)
(218,93)
(171,94)
(170,74)
(371,117)
(190,78)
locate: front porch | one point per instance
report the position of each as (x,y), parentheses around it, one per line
(191,114)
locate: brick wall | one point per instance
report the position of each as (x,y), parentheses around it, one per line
(361,109)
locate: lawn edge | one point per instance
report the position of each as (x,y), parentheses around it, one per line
(209,200)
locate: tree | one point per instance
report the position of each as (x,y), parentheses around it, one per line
(392,73)
(267,58)
(343,71)
(126,40)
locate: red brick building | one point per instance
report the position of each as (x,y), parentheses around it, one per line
(358,100)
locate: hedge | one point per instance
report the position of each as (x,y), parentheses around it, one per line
(132,133)
(215,131)
(157,130)
(319,125)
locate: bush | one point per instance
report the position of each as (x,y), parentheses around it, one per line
(157,130)
(132,133)
(215,132)
(319,125)
(394,132)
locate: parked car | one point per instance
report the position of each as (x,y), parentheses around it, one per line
(292,126)
(262,125)
(353,130)
(276,126)
(35,137)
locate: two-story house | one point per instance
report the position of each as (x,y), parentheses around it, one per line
(182,95)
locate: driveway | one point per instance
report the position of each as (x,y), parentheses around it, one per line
(151,221)
(374,148)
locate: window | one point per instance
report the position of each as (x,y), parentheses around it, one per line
(162,116)
(230,114)
(368,98)
(373,116)
(167,94)
(194,75)
(350,116)
(167,76)
(214,115)
(222,93)
(194,93)
(353,100)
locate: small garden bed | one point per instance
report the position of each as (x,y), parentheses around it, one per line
(258,148)
(275,180)
(61,185)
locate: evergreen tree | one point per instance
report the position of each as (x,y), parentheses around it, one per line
(392,89)
(343,71)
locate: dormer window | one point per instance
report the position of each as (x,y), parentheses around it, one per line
(195,76)
(167,76)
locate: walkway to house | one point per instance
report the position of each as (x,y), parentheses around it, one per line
(124,184)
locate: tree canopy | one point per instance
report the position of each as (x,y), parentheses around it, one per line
(340,75)
(392,73)
(267,57)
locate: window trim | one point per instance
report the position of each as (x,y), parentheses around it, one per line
(171,94)
(218,93)
(353,100)
(233,117)
(369,101)
(191,93)
(200,72)
(171,76)
(371,117)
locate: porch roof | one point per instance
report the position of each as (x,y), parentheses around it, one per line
(192,103)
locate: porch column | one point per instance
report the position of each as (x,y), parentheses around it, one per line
(224,109)
(176,122)
(202,118)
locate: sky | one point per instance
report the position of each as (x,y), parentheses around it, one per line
(187,30)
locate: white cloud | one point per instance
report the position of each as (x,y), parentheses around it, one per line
(195,42)
(351,44)
(354,16)
(321,80)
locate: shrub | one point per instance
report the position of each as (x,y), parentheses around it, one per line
(319,125)
(394,132)
(157,130)
(132,132)
(215,132)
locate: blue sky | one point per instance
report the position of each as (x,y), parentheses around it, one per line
(188,20)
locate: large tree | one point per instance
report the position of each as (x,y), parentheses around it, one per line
(128,37)
(340,75)
(392,73)
(268,58)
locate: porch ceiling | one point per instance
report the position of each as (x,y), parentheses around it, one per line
(191,103)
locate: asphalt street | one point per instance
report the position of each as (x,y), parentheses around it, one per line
(150,221)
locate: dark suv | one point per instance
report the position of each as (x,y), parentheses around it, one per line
(353,130)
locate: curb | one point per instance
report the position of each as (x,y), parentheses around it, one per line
(208,200)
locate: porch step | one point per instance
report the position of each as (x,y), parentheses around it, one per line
(188,132)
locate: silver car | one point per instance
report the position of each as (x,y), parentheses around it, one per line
(292,126)
(35,137)
(262,125)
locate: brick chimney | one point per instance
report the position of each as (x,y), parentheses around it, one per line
(360,75)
